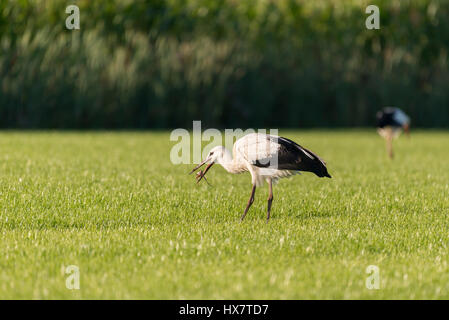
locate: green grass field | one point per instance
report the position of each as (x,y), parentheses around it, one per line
(139,227)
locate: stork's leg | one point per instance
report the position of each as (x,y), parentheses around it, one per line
(390,147)
(270,198)
(389,140)
(250,202)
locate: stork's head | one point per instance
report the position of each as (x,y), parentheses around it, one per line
(215,155)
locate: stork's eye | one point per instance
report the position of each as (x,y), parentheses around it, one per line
(211,153)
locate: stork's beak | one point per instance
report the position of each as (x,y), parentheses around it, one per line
(202,174)
(198,166)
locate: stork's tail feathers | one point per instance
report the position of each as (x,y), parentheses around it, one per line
(291,156)
(327,175)
(312,163)
(319,168)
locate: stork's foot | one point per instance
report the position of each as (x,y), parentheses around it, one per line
(250,202)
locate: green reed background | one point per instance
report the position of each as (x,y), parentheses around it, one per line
(161,64)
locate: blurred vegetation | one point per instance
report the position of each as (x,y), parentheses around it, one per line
(164,63)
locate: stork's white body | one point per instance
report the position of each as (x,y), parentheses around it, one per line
(249,149)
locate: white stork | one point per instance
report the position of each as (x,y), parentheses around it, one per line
(390,122)
(266,157)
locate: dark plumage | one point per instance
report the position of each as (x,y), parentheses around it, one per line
(391,117)
(291,156)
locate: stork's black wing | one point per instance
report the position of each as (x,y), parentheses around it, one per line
(291,156)
(385,118)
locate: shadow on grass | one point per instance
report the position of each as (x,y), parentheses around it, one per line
(313,214)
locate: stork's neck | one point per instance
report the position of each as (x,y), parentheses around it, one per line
(228,163)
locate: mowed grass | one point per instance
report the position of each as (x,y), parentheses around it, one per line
(138,227)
